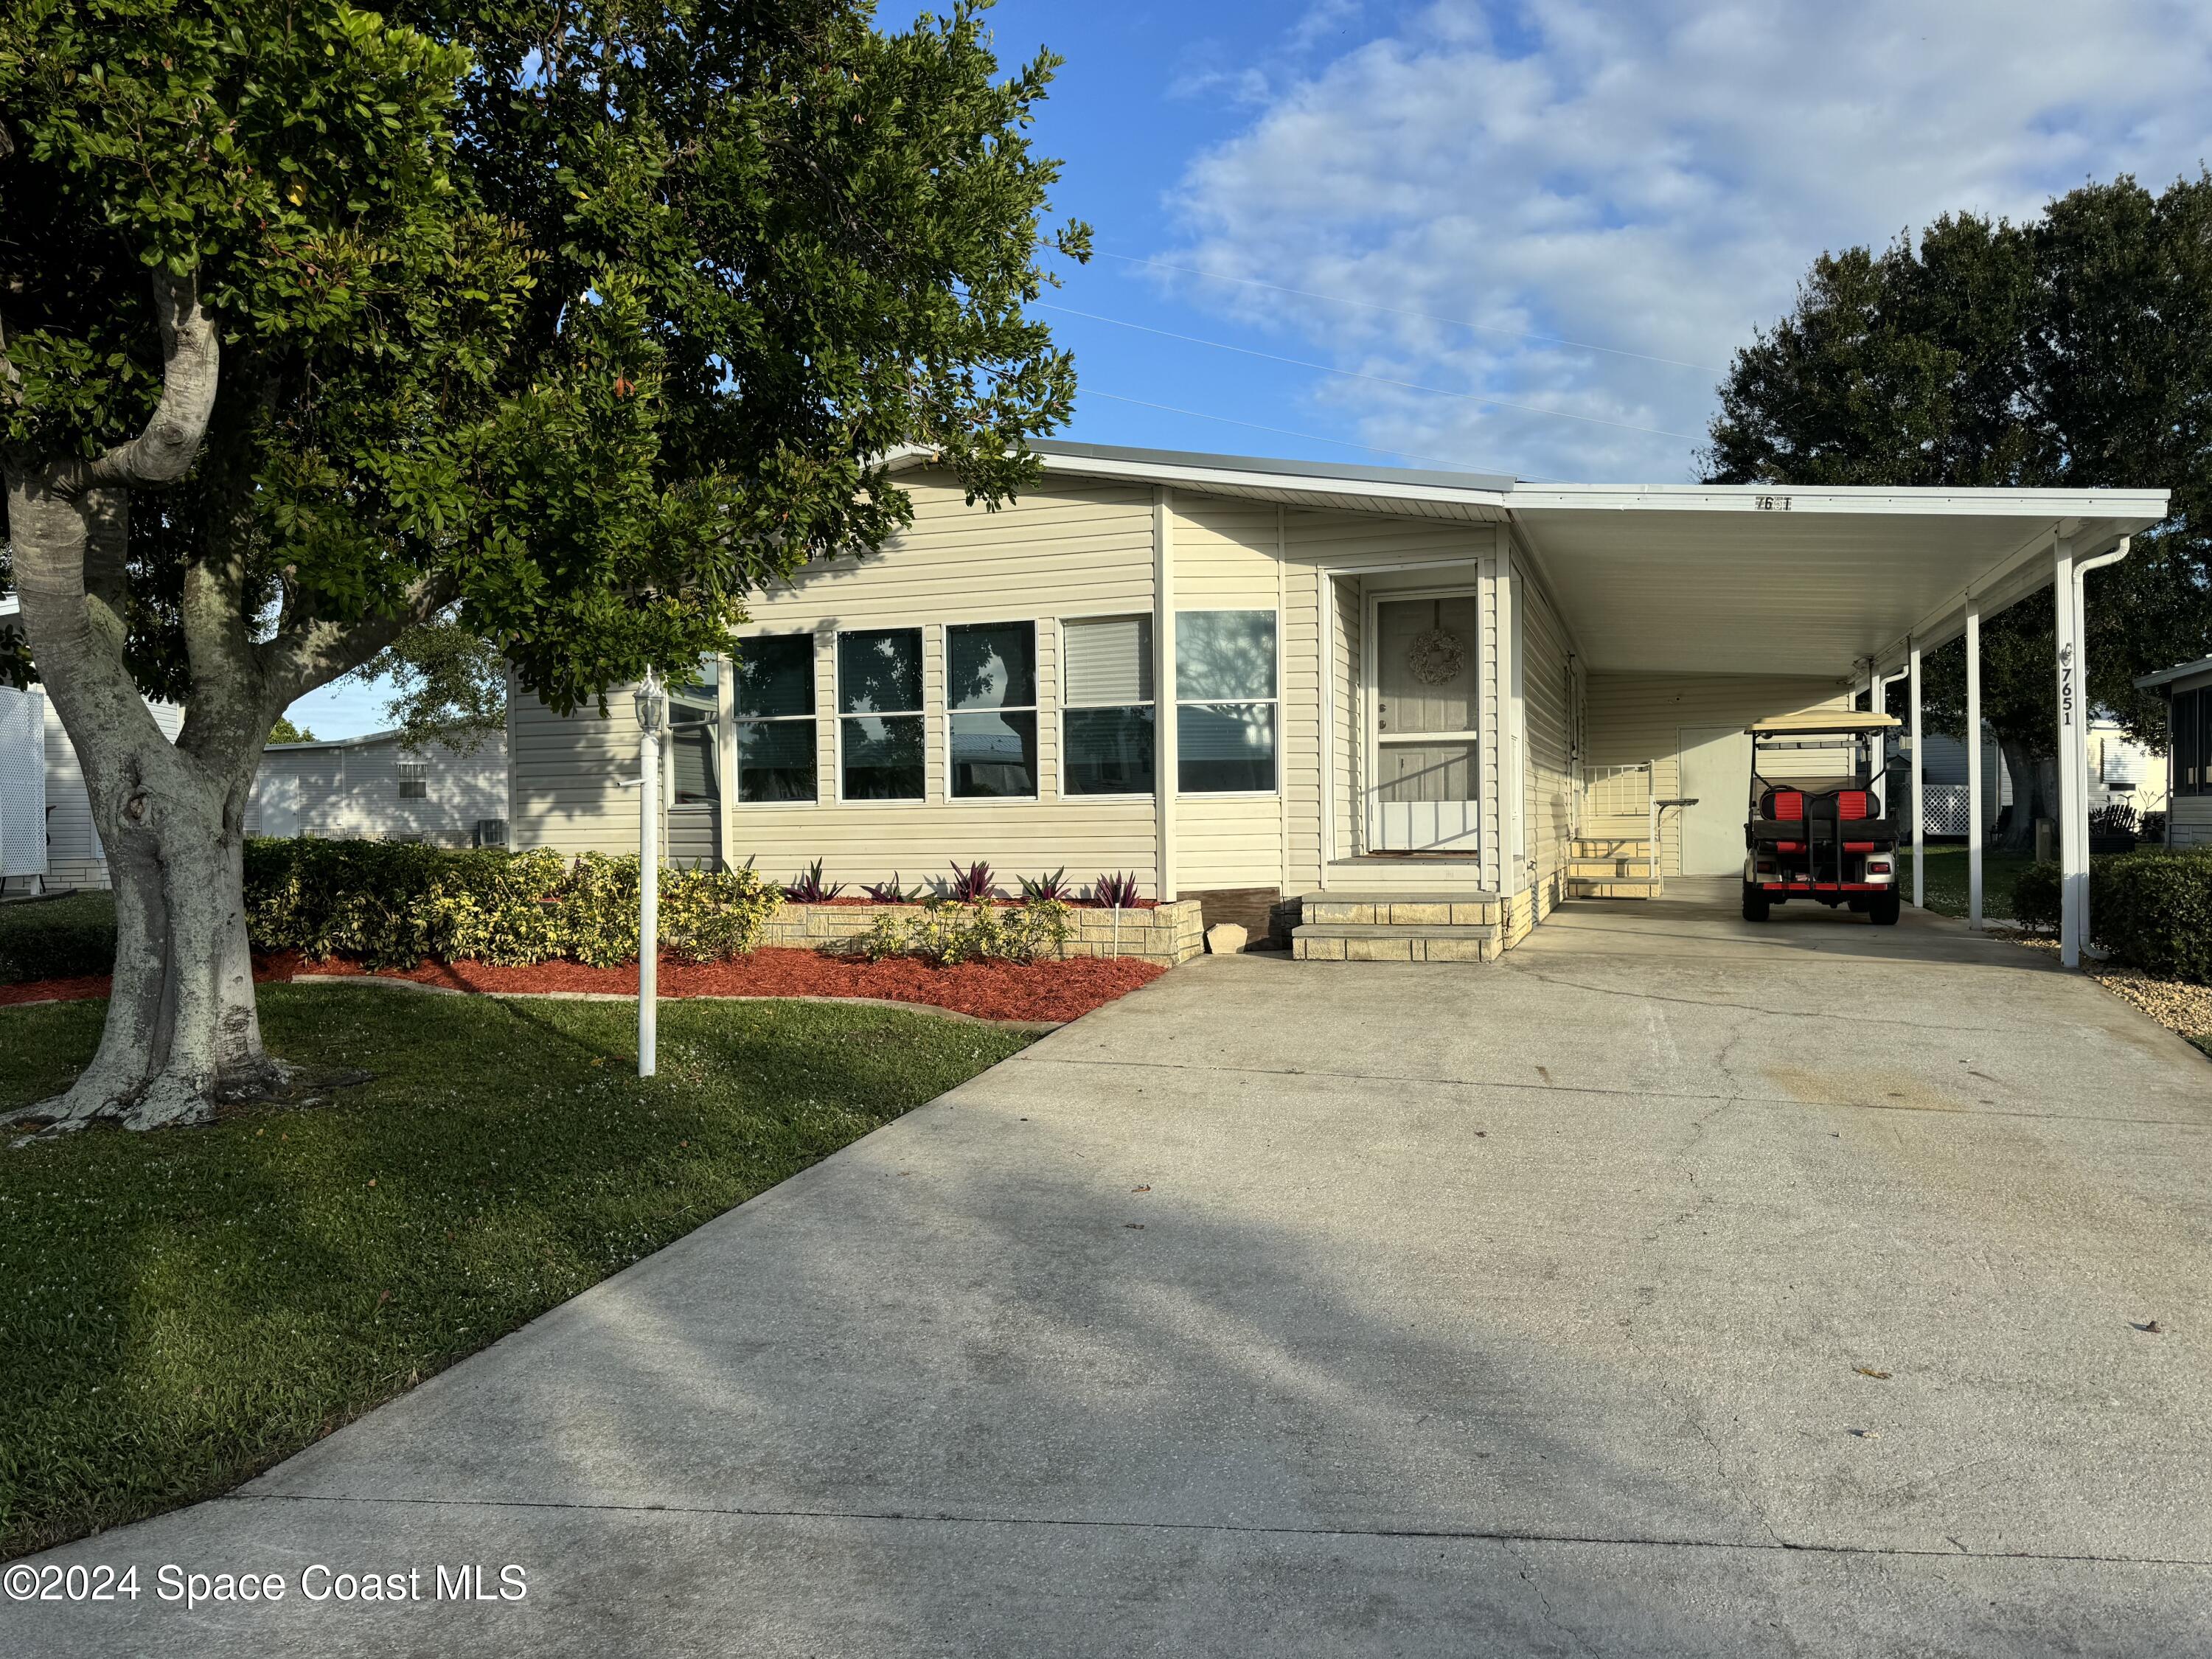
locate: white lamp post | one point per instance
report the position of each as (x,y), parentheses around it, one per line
(652,720)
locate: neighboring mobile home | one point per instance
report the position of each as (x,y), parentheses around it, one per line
(47,841)
(1229,674)
(2188,693)
(376,788)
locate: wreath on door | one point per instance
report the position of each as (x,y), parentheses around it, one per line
(1437,655)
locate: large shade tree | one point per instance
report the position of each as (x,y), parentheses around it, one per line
(2073,351)
(565,325)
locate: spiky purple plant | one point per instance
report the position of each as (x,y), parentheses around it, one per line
(1118,892)
(972,885)
(809,888)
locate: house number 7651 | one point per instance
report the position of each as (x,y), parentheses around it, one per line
(1774,503)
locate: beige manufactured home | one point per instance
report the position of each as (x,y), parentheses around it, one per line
(1225,674)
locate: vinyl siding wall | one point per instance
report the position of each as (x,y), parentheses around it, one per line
(1637,717)
(352,794)
(1226,559)
(74,858)
(1069,550)
(1547,810)
(1346,824)
(1448,554)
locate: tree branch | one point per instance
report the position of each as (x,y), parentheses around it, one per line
(190,360)
(316,653)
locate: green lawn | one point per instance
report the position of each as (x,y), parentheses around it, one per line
(181,1308)
(1946,880)
(57,937)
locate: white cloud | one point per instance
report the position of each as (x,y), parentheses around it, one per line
(1650,175)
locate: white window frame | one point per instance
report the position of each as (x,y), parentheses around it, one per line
(417,772)
(734,788)
(1035,709)
(1273,701)
(1060,713)
(838,715)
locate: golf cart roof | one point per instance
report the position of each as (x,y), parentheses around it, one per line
(1817,721)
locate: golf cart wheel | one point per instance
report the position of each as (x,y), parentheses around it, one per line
(1884,908)
(1755,904)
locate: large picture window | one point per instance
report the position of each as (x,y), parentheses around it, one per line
(990,695)
(1225,700)
(1107,721)
(773,698)
(879,726)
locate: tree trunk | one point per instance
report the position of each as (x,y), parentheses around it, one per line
(2033,790)
(182,1034)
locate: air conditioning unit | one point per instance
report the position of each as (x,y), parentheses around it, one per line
(491,832)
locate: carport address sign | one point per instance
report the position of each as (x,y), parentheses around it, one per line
(1773,503)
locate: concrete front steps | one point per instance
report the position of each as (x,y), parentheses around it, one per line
(1612,867)
(1334,925)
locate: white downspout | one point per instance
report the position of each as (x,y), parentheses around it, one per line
(2075,914)
(1919,814)
(1974,785)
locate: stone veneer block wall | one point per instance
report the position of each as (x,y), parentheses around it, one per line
(1167,933)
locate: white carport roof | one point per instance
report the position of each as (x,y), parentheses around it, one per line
(1743,578)
(1752,580)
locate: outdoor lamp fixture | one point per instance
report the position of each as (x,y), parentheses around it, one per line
(652,700)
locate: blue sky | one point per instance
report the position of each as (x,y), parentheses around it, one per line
(1527,238)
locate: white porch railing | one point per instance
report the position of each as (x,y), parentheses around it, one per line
(1620,802)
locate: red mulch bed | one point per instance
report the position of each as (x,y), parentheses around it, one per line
(1040,991)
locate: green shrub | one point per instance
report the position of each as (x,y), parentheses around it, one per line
(944,934)
(57,937)
(2035,897)
(2153,911)
(391,904)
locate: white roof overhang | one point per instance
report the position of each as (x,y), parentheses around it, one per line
(1754,579)
(1472,498)
(1742,579)
(2168,676)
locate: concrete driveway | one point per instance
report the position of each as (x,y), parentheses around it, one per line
(1670,1287)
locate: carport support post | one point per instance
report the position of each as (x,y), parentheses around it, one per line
(2073,855)
(1877,698)
(1919,816)
(1974,763)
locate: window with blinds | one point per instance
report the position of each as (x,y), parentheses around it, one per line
(1107,717)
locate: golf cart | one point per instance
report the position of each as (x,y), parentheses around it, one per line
(1815,836)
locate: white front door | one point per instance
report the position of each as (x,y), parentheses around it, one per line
(1424,748)
(1716,769)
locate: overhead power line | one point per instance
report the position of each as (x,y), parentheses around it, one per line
(1379,380)
(1401,311)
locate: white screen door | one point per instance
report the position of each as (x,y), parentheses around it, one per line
(1716,769)
(1426,749)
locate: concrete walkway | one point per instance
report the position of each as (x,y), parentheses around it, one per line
(1670,1287)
